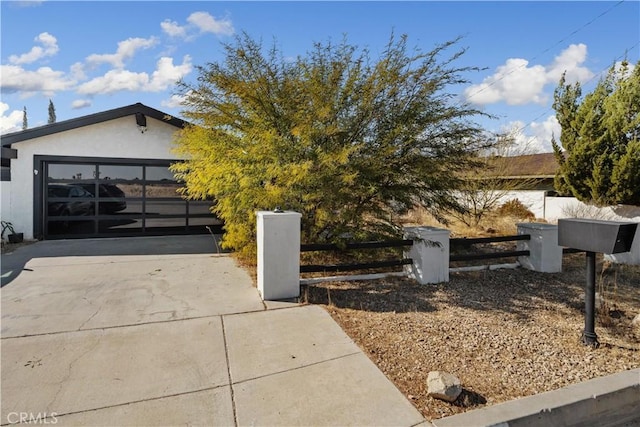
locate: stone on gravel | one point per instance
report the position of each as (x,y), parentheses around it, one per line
(636,321)
(443,385)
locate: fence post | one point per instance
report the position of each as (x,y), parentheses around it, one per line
(430,254)
(278,254)
(545,255)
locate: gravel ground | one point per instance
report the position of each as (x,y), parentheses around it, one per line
(505,333)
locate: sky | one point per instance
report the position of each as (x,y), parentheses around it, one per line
(90,56)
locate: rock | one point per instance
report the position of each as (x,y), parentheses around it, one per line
(636,321)
(443,385)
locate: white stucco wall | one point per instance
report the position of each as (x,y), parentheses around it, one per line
(119,138)
(553,208)
(533,199)
(5,207)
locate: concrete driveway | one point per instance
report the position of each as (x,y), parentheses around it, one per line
(164,331)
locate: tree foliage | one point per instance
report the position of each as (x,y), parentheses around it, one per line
(332,134)
(600,163)
(25,120)
(52,113)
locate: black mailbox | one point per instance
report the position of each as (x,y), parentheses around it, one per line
(607,237)
(591,236)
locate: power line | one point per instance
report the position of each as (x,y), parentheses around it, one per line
(546,50)
(584,84)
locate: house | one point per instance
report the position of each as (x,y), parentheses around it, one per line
(526,172)
(102,175)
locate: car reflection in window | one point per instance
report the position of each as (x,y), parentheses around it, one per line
(109,191)
(82,206)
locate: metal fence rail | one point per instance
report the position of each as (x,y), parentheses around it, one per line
(463,242)
(314,247)
(326,268)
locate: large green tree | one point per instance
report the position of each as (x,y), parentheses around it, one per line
(332,134)
(599,155)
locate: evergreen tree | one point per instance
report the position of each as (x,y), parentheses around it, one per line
(52,113)
(334,135)
(25,123)
(599,155)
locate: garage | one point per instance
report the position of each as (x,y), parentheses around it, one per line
(104,175)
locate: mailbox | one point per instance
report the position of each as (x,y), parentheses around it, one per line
(591,236)
(607,237)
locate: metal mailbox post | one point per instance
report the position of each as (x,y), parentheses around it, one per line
(607,237)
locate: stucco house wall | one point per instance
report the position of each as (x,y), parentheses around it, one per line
(5,206)
(117,138)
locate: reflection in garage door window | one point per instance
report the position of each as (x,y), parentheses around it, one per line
(71,172)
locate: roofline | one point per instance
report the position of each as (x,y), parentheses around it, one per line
(91,119)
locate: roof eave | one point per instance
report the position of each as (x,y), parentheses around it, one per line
(91,119)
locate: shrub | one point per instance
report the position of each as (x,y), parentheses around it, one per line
(516,209)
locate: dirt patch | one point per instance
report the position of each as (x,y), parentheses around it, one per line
(506,334)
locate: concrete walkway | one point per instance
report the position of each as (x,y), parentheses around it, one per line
(162,331)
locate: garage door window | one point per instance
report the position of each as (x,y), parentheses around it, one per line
(101,199)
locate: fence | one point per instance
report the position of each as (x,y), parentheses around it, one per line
(325,268)
(426,259)
(466,242)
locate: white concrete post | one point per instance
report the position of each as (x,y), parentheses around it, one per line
(544,253)
(278,254)
(430,254)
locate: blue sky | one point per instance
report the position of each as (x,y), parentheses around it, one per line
(93,56)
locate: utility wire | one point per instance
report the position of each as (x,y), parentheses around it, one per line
(598,74)
(574,32)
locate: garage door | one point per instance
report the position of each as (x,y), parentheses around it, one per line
(105,198)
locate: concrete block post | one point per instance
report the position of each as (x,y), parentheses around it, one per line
(430,254)
(545,255)
(278,254)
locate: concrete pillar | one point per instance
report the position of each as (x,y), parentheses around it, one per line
(278,254)
(545,255)
(430,254)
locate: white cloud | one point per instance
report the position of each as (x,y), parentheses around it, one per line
(49,47)
(46,80)
(513,83)
(126,50)
(77,71)
(167,74)
(114,81)
(174,102)
(118,80)
(198,23)
(173,29)
(518,83)
(11,122)
(535,138)
(80,103)
(207,23)
(569,60)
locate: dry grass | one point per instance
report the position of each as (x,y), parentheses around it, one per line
(492,224)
